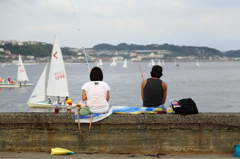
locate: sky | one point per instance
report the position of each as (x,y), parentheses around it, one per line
(85,23)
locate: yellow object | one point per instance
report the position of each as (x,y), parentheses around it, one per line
(169,110)
(60,151)
(68,100)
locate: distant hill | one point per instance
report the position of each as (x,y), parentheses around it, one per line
(232,54)
(38,50)
(42,50)
(176,50)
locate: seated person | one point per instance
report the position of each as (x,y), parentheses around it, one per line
(96,92)
(154,90)
(9,79)
(59,100)
(49,100)
(68,101)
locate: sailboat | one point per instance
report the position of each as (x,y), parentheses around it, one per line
(175,63)
(99,64)
(6,84)
(159,63)
(22,75)
(152,63)
(197,64)
(125,64)
(113,63)
(56,82)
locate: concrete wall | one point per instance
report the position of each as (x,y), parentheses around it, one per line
(122,133)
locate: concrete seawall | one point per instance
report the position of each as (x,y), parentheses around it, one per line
(122,133)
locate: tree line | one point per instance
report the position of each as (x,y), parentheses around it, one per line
(42,50)
(38,50)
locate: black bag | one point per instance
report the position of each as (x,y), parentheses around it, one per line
(188,106)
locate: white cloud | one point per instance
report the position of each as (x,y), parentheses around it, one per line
(182,22)
(51,28)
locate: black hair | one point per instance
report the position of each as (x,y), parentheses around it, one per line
(96,74)
(156,71)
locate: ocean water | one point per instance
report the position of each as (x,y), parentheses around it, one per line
(214,86)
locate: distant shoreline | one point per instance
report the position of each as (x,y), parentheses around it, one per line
(117,62)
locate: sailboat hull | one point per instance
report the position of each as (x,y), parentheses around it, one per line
(45,105)
(8,85)
(27,84)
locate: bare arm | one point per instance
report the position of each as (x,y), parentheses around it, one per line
(84,95)
(164,85)
(108,96)
(142,88)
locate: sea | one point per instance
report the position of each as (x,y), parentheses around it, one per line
(214,86)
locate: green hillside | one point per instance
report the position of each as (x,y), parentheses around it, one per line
(38,50)
(176,50)
(233,54)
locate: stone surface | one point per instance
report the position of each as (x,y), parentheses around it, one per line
(122,133)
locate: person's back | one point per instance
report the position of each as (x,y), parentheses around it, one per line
(153,91)
(96,92)
(1,80)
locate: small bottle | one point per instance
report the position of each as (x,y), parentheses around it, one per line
(56,110)
(70,105)
(68,110)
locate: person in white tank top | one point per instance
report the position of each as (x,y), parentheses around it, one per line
(96,92)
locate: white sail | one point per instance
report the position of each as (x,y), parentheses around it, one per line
(113,63)
(21,75)
(152,63)
(197,64)
(38,94)
(175,63)
(159,63)
(57,80)
(99,64)
(125,64)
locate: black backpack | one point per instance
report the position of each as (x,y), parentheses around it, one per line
(188,106)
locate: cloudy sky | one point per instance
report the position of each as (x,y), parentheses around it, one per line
(85,23)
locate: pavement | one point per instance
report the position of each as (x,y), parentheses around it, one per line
(47,155)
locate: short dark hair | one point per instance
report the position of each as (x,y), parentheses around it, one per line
(96,74)
(156,71)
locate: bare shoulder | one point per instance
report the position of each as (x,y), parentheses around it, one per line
(144,82)
(164,84)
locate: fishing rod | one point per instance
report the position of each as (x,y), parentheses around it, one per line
(79,34)
(140,68)
(86,60)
